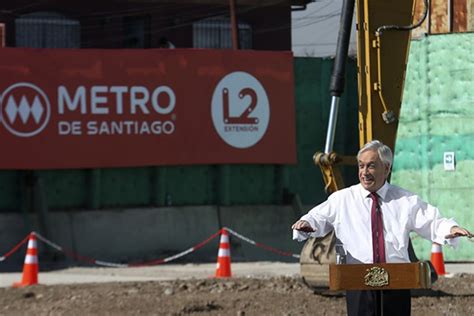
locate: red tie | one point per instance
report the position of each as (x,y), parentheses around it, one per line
(378,243)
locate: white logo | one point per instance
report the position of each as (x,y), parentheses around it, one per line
(240,110)
(24,109)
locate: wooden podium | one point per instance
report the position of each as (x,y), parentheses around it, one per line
(381,276)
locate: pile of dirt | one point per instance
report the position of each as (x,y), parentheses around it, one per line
(233,296)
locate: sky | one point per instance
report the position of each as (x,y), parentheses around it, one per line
(315,30)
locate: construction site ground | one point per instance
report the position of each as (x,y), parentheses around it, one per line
(258,288)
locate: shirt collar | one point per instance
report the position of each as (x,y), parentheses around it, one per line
(382,192)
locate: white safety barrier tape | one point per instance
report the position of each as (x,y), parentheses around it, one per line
(48,242)
(159,261)
(258,244)
(98,262)
(179,255)
(110,264)
(14,249)
(250,241)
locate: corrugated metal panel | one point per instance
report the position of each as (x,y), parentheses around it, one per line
(216,33)
(47,30)
(312,76)
(10,186)
(196,185)
(65,189)
(124,186)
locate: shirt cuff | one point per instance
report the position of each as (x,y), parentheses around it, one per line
(301,236)
(445,229)
(453,242)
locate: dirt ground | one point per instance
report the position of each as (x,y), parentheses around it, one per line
(233,296)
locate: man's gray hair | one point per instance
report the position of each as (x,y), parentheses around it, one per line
(385,153)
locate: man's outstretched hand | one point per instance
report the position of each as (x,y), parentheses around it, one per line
(457,231)
(303,226)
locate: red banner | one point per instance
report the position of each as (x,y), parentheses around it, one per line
(108,108)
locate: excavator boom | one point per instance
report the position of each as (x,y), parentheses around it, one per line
(382,51)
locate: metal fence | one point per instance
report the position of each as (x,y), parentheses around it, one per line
(47,30)
(216,33)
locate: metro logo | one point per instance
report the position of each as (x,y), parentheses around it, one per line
(24,109)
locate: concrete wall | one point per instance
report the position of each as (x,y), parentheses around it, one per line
(147,234)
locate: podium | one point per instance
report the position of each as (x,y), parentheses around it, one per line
(380,276)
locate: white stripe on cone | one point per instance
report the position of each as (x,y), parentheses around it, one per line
(29,259)
(223,252)
(436,248)
(224,238)
(32,243)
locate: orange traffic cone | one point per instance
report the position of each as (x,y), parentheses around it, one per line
(223,257)
(30,268)
(437,258)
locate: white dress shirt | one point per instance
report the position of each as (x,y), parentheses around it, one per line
(347,211)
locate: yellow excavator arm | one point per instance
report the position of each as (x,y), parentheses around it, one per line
(383,38)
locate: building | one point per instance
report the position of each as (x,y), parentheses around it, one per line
(147,23)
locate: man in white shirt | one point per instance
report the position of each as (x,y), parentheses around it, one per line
(373,220)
